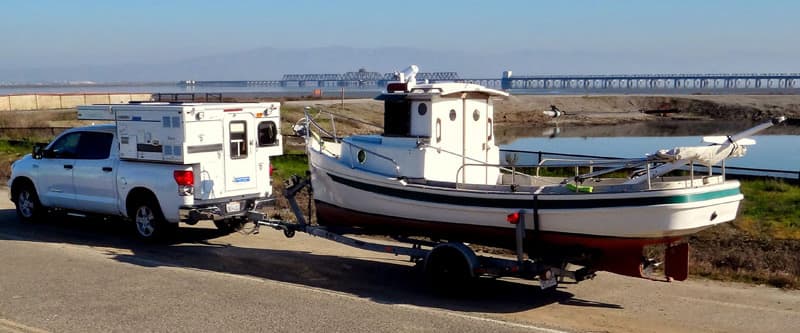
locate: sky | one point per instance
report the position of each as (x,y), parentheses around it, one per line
(598,36)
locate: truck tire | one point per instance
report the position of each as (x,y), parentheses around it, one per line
(149,222)
(26,200)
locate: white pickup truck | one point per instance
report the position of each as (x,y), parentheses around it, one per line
(156,164)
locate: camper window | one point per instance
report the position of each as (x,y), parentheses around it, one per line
(238,143)
(267,134)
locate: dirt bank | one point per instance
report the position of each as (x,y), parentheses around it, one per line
(606,109)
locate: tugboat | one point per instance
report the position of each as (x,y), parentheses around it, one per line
(436,172)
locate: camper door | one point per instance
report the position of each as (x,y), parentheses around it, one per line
(240,157)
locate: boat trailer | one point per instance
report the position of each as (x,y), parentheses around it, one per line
(447,264)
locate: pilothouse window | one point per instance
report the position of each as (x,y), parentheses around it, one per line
(422,109)
(397,117)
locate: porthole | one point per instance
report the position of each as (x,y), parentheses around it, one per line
(476,115)
(452,114)
(422,109)
(362,156)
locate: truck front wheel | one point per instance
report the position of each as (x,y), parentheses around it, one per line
(149,221)
(29,209)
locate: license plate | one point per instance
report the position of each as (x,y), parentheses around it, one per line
(233,207)
(548,283)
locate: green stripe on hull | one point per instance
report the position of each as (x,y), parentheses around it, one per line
(527,201)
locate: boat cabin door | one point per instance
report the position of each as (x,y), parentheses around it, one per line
(478,141)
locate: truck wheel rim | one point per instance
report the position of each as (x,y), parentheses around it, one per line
(25,204)
(144,221)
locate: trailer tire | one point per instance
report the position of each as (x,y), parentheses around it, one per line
(149,222)
(448,269)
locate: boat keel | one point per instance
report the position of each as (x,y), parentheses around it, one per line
(630,262)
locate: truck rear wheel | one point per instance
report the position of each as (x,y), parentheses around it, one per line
(28,207)
(149,222)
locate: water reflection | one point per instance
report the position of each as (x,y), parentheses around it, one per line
(667,127)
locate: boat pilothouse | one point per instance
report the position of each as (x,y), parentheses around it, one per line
(431,131)
(436,172)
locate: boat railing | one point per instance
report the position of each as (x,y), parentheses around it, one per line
(638,167)
(311,125)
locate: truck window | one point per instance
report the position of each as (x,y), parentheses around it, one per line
(267,134)
(65,147)
(94,145)
(238,143)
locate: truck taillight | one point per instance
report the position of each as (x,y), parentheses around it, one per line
(184,178)
(271,170)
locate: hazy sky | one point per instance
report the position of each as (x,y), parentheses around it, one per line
(734,36)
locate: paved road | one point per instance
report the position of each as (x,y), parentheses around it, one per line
(89,275)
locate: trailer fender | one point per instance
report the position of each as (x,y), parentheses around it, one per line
(449,251)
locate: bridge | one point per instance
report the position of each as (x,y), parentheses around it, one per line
(652,81)
(365,79)
(361,78)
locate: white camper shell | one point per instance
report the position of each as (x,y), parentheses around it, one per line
(227,144)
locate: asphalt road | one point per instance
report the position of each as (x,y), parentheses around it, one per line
(87,275)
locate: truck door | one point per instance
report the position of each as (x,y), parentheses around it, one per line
(94,174)
(54,171)
(240,159)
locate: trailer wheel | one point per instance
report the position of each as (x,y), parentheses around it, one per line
(448,269)
(149,222)
(27,204)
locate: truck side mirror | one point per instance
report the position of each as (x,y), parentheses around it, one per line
(38,151)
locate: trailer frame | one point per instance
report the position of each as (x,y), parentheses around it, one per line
(442,261)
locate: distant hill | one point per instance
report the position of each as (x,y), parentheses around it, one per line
(272,63)
(266,63)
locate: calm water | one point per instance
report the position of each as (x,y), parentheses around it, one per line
(778,149)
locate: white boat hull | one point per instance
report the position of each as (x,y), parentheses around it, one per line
(356,198)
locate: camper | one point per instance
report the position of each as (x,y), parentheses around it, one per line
(156,164)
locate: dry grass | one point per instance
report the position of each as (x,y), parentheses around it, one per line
(727,252)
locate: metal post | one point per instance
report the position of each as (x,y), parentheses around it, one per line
(333,125)
(520,238)
(723,170)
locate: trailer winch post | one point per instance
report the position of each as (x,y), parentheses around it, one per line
(290,192)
